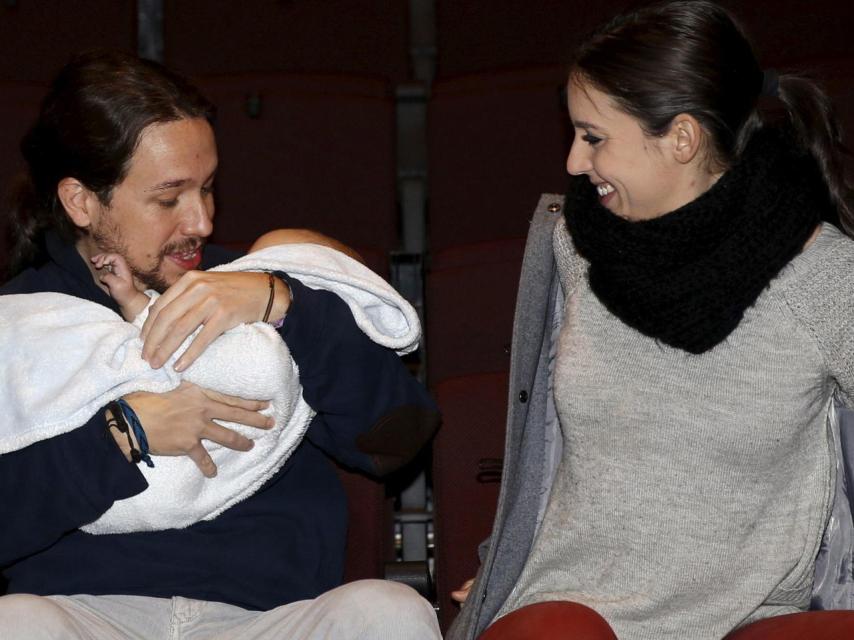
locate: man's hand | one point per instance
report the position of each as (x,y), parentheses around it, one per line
(217,300)
(177,421)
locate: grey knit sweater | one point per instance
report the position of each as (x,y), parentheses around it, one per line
(693,490)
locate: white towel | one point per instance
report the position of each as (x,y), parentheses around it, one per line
(65,358)
(378,309)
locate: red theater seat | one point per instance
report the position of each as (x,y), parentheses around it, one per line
(483,35)
(305,151)
(471,295)
(821,28)
(466,473)
(551,621)
(370,542)
(558,620)
(496,142)
(37,37)
(365,37)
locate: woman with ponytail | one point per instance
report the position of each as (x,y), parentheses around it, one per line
(675,464)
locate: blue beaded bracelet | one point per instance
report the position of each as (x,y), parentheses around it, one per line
(138,432)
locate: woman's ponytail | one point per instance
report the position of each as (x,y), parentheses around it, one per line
(811,113)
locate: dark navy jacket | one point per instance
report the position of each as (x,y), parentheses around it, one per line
(284,543)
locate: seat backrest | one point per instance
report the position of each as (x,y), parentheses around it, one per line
(483,35)
(496,141)
(370,539)
(363,37)
(471,295)
(466,473)
(305,151)
(38,36)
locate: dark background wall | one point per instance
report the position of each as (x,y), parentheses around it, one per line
(497,63)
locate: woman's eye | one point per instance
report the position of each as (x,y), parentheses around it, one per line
(168,204)
(206,191)
(590,139)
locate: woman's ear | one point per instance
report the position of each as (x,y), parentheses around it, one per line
(77,200)
(687,137)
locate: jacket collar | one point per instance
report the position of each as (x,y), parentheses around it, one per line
(71,263)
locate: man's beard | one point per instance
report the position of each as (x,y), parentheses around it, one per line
(108,239)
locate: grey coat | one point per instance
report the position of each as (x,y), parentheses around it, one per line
(525,448)
(532,441)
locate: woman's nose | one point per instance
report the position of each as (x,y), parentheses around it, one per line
(577,162)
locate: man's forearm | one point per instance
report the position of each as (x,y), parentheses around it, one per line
(372,414)
(57,485)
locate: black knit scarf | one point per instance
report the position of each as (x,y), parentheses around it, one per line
(687,277)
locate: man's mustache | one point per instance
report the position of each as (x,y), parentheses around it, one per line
(185,246)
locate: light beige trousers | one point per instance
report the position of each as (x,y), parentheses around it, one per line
(365,610)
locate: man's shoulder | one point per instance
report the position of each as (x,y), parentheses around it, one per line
(34,280)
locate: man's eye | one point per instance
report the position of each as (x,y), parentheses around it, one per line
(167,204)
(590,139)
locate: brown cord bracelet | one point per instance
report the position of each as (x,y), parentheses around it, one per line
(271,298)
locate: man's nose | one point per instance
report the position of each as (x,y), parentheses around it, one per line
(199,219)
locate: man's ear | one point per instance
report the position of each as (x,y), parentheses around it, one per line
(687,137)
(79,202)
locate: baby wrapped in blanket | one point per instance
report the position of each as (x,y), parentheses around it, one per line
(95,357)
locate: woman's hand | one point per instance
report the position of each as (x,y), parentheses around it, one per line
(461,594)
(177,421)
(217,300)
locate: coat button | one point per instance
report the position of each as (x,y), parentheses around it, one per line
(523,396)
(554,207)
